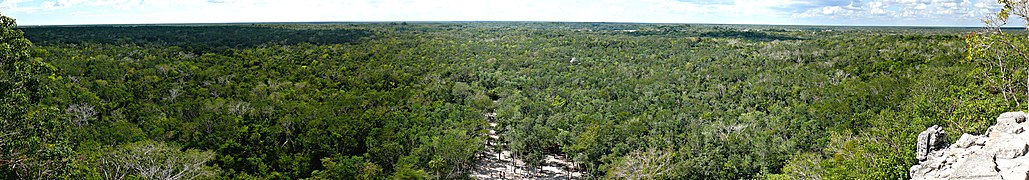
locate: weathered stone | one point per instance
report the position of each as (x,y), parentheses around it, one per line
(919,171)
(977,166)
(1015,173)
(1009,122)
(1010,150)
(929,140)
(1011,118)
(965,141)
(1003,153)
(1014,168)
(1007,163)
(981,141)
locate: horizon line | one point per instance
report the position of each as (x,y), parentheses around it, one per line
(444,21)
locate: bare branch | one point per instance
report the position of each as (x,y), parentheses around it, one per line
(151,160)
(81,114)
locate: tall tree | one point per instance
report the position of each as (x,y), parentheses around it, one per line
(153,160)
(1005,55)
(30,142)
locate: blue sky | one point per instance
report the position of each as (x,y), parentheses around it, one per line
(798,12)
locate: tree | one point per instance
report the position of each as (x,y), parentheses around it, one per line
(352,167)
(1003,54)
(81,114)
(153,160)
(14,52)
(31,141)
(651,164)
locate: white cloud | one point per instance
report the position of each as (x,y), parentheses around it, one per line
(689,11)
(877,8)
(831,10)
(905,12)
(67,3)
(8,4)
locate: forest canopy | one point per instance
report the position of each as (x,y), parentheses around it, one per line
(407,100)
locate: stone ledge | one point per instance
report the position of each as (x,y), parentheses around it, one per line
(999,154)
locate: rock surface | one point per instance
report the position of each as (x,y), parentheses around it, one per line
(930,140)
(999,154)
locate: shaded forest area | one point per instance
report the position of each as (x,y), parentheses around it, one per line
(197,39)
(406,100)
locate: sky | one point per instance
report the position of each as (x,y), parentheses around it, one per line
(781,12)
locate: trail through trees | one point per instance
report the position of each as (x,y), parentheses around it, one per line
(497,162)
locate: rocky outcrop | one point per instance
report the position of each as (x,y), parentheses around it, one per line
(931,139)
(998,154)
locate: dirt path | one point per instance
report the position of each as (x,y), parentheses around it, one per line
(493,165)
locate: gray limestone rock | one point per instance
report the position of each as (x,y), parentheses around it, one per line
(1014,168)
(929,140)
(1009,122)
(1002,153)
(1013,149)
(965,141)
(977,166)
(1011,118)
(919,171)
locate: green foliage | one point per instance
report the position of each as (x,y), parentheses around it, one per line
(199,39)
(1002,56)
(354,167)
(397,101)
(32,139)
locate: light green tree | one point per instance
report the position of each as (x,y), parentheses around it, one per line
(1004,55)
